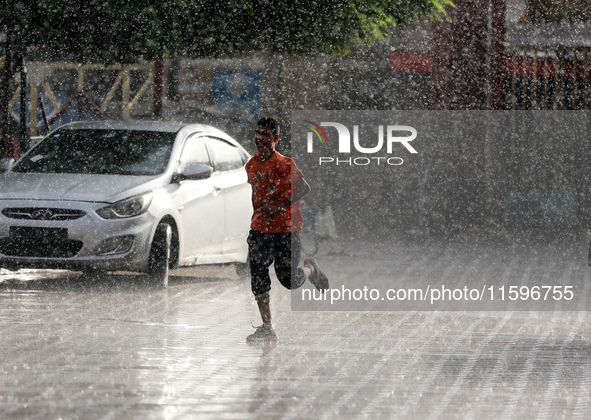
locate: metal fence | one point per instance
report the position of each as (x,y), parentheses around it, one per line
(548,79)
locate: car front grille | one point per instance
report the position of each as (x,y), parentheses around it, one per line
(42,213)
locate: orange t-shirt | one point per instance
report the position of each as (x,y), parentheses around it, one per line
(271,182)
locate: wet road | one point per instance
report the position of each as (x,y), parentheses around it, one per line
(84,348)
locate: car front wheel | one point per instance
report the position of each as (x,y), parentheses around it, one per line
(158,261)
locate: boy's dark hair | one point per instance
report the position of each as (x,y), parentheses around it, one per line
(270,122)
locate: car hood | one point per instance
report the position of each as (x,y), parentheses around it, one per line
(74,187)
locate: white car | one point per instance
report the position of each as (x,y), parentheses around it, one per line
(111,196)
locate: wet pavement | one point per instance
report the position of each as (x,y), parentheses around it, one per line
(89,348)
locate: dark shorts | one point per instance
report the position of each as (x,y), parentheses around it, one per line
(283,250)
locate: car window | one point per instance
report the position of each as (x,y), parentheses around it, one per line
(113,152)
(227,156)
(194,151)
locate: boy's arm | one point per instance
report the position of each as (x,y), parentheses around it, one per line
(299,190)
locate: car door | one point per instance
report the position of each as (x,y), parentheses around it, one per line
(200,208)
(232,178)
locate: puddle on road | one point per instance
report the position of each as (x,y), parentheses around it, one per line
(30,274)
(27,280)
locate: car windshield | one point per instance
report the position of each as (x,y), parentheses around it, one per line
(114,152)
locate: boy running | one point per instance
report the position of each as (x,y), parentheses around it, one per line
(277,187)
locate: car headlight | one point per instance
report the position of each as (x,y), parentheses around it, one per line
(129,207)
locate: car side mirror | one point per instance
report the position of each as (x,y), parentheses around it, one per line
(195,171)
(6,164)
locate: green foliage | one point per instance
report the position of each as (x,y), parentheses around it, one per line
(307,27)
(125,30)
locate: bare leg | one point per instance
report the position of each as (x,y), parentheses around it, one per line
(265,332)
(265,309)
